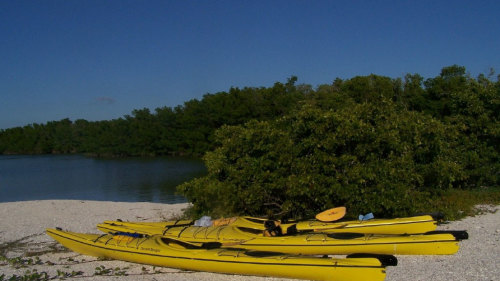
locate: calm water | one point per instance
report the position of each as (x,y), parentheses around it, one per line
(25,178)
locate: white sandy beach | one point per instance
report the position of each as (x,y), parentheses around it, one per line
(22,226)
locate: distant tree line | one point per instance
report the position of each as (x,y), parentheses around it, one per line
(295,149)
(452,97)
(182,130)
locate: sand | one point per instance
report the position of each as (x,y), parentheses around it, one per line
(22,226)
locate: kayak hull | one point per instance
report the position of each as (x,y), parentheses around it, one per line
(407,225)
(304,244)
(159,251)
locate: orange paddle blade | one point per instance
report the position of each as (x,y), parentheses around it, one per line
(331,214)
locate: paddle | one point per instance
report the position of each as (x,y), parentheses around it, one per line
(331,214)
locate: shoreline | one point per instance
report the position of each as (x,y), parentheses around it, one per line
(23,224)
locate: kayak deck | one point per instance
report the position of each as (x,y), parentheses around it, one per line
(160,251)
(313,243)
(407,225)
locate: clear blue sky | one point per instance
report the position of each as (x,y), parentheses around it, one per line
(99,60)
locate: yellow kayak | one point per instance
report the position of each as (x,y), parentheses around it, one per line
(313,243)
(161,251)
(408,225)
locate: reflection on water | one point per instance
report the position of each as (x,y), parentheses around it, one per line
(77,177)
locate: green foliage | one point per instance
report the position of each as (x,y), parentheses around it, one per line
(458,203)
(62,275)
(370,158)
(117,271)
(20,262)
(30,275)
(372,89)
(371,143)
